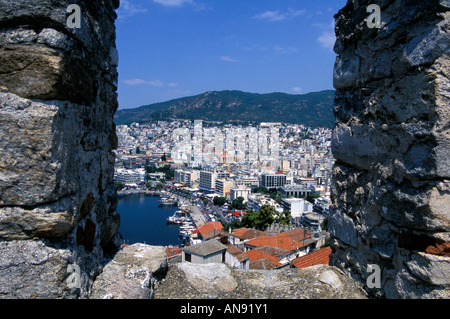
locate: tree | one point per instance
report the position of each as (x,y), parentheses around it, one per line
(234,224)
(219,201)
(324,225)
(238,203)
(119,185)
(249,219)
(283,218)
(312,197)
(265,216)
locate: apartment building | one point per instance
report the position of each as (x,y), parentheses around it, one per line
(207,179)
(223,186)
(296,206)
(240,191)
(185,177)
(296,191)
(273,180)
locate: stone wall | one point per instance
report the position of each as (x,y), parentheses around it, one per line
(57,99)
(391,181)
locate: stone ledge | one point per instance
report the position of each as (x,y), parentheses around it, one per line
(131,274)
(218,281)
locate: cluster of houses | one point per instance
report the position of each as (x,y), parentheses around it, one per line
(246,248)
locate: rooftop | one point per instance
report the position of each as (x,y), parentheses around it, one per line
(318,257)
(247,233)
(205,248)
(210,229)
(290,240)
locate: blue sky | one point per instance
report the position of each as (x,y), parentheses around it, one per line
(176,48)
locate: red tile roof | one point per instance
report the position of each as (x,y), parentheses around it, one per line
(264,264)
(273,251)
(290,240)
(236,252)
(261,260)
(173,251)
(209,227)
(318,257)
(247,233)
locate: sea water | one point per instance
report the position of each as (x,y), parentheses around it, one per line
(142,220)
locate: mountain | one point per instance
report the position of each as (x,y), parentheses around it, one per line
(312,109)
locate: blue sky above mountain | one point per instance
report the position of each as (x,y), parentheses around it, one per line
(175,48)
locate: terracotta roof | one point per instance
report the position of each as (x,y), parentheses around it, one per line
(273,251)
(264,264)
(318,257)
(255,255)
(297,234)
(247,233)
(210,227)
(236,252)
(282,240)
(172,251)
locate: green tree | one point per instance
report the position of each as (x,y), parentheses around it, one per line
(249,219)
(119,185)
(265,216)
(312,197)
(150,168)
(260,189)
(324,224)
(219,201)
(233,225)
(238,203)
(284,218)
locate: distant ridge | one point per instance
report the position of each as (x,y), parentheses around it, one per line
(312,109)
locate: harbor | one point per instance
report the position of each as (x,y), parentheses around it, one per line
(161,218)
(189,217)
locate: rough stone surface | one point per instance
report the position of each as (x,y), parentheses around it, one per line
(57,100)
(133,273)
(390,185)
(217,281)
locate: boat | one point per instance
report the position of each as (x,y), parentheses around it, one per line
(167,201)
(177,218)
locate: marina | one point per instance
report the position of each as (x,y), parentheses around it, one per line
(160,219)
(143,220)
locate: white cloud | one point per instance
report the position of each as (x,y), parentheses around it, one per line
(173,84)
(297,89)
(272,16)
(172,3)
(327,40)
(154,83)
(128,9)
(227,59)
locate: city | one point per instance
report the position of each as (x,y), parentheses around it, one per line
(222,176)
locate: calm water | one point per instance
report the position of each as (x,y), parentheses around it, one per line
(142,221)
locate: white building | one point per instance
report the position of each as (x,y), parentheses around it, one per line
(297,206)
(223,187)
(130,176)
(240,191)
(273,180)
(297,191)
(185,177)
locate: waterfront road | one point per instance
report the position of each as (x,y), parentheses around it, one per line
(197,215)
